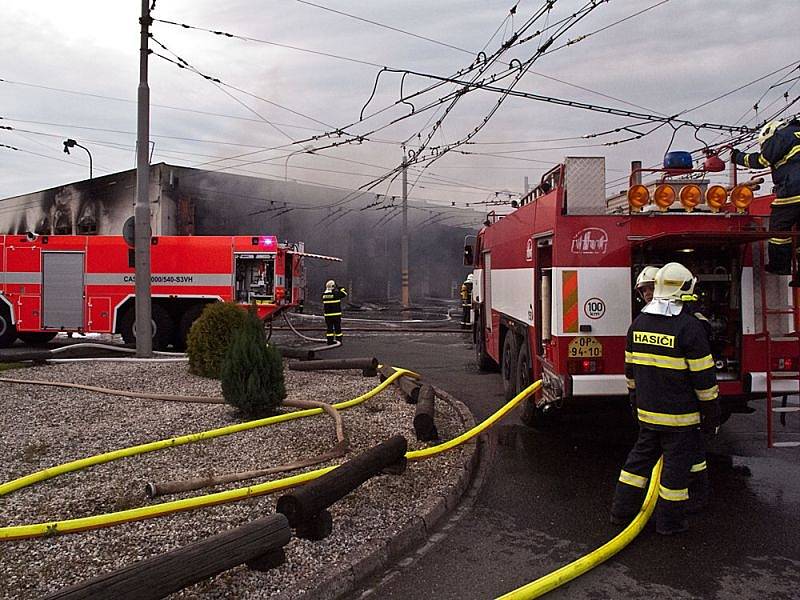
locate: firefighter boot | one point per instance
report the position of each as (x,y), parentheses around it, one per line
(627,502)
(698,492)
(670,517)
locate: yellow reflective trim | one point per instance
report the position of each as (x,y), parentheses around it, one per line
(656,360)
(763,161)
(673,495)
(696,468)
(783,201)
(632,479)
(668,420)
(708,394)
(628,357)
(330,301)
(780,241)
(333,314)
(631,383)
(794,151)
(701,364)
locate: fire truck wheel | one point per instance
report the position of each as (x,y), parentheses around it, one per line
(523,367)
(162,324)
(535,417)
(508,365)
(187,320)
(8,333)
(36,338)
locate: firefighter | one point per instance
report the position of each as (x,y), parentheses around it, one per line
(466,301)
(332,309)
(645,282)
(668,363)
(780,151)
(698,473)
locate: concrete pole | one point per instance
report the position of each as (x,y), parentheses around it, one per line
(406,299)
(141,214)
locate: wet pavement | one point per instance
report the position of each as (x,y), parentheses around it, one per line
(545,498)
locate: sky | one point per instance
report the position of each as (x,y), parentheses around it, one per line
(309,68)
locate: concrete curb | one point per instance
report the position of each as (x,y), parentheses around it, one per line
(415,534)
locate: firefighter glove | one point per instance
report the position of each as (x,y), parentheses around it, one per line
(734,154)
(710,417)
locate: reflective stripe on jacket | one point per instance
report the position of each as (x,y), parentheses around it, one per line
(332,302)
(781,153)
(669,363)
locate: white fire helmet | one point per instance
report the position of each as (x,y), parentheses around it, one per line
(329,285)
(647,276)
(469,278)
(673,281)
(769,129)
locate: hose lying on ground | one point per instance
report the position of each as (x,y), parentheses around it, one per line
(574,569)
(147,512)
(187,485)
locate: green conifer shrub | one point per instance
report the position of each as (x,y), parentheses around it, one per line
(210,337)
(252,372)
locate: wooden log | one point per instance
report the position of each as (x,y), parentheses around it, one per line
(26,355)
(167,573)
(424,417)
(317,527)
(409,387)
(303,504)
(296,353)
(364,364)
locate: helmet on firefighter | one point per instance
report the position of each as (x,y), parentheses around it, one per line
(329,285)
(769,129)
(469,278)
(673,281)
(647,276)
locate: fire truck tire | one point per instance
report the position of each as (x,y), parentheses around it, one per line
(8,333)
(508,365)
(162,323)
(37,338)
(187,320)
(523,367)
(482,358)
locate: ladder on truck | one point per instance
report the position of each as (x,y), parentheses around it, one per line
(792,376)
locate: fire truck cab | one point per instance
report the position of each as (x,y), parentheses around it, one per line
(85,284)
(554,286)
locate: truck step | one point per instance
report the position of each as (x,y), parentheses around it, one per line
(785,444)
(785,409)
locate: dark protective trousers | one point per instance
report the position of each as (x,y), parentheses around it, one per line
(698,475)
(333,329)
(782,218)
(679,449)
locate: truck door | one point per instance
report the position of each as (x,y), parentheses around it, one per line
(62,290)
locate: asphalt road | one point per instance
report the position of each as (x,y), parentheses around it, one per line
(545,500)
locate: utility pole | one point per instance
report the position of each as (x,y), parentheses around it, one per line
(141,214)
(405,299)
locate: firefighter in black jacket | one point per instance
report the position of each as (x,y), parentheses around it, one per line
(780,151)
(332,309)
(668,365)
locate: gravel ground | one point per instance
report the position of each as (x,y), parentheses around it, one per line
(43,426)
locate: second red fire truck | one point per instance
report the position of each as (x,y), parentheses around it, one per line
(85,284)
(553,285)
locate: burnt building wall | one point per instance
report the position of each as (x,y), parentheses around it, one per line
(329,221)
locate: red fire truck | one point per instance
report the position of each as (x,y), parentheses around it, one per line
(553,290)
(85,284)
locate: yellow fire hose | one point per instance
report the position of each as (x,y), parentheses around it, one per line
(15,532)
(587,562)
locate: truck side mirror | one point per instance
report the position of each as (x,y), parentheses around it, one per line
(469,258)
